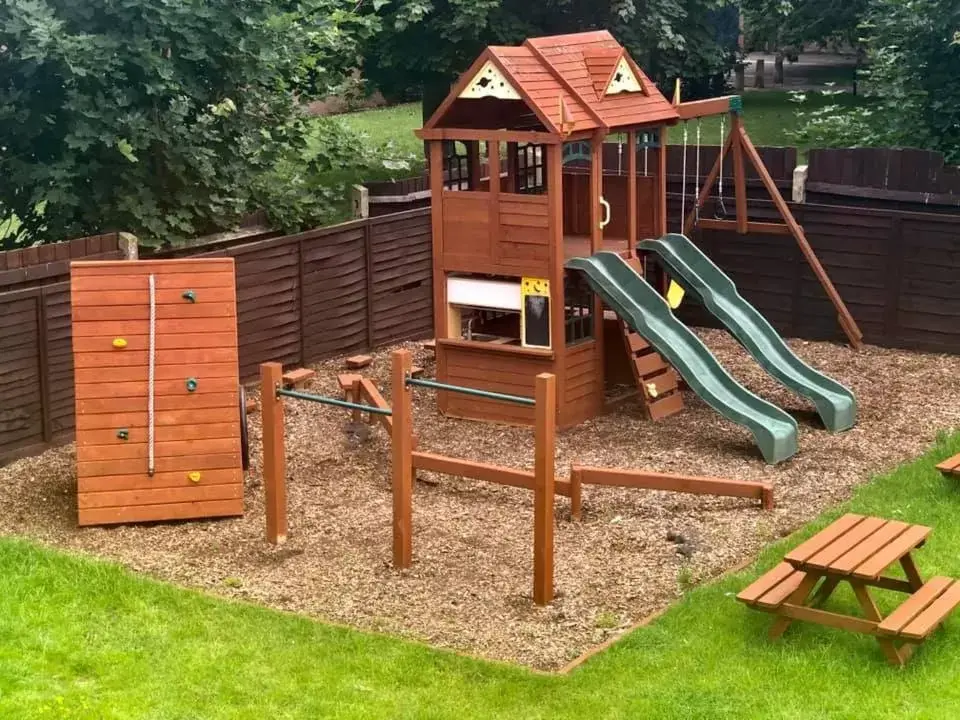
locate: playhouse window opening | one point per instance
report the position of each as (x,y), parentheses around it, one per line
(501,327)
(579,309)
(456,166)
(530,177)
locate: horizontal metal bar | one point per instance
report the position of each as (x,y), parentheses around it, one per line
(323,400)
(472,391)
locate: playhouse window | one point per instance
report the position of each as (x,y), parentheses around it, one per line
(579,309)
(456,166)
(529,172)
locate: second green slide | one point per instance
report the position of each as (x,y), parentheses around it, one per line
(699,276)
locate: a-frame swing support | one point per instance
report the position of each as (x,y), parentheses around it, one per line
(739,147)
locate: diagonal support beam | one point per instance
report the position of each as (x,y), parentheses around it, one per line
(847,323)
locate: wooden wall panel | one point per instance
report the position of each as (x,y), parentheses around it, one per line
(196,429)
(583,387)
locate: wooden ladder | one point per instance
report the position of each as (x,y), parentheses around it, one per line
(657,381)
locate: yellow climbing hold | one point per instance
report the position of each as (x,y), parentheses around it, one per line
(652,390)
(119,343)
(194,476)
(674,295)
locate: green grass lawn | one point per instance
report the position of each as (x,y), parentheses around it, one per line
(768,117)
(85,639)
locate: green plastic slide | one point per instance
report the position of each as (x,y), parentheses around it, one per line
(697,274)
(774,432)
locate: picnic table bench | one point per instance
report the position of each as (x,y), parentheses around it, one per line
(858,550)
(950,466)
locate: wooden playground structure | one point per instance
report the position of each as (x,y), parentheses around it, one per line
(398,423)
(505,223)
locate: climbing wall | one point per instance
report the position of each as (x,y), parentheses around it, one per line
(158,421)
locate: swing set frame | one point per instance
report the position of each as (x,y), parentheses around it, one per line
(740,147)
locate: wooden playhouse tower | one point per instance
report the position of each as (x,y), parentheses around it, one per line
(517,176)
(524,175)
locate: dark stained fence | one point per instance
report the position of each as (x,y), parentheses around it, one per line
(895,270)
(36,359)
(903,179)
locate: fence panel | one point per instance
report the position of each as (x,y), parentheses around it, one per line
(22,416)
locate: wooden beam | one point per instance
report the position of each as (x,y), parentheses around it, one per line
(274,455)
(473,163)
(543,490)
(847,323)
(465,134)
(596,191)
(675,483)
(739,176)
(704,108)
(496,474)
(769,228)
(707,186)
(440,328)
(632,191)
(402,474)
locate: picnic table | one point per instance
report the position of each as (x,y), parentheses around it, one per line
(858,550)
(950,466)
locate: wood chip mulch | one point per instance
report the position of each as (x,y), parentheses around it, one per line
(470,586)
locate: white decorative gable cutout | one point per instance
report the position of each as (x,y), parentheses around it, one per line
(490,82)
(623,80)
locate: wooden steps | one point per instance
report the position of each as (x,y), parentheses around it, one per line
(658,383)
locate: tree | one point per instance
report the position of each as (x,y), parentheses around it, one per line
(425,44)
(154,116)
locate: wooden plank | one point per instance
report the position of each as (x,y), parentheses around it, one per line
(170,341)
(950,465)
(274,453)
(496,474)
(671,483)
(112,298)
(705,108)
(126,358)
(125,450)
(859,554)
(913,537)
(112,268)
(811,547)
(665,406)
(225,400)
(931,617)
(134,373)
(759,228)
(159,496)
(766,582)
(149,513)
(739,176)
(402,471)
(139,388)
(914,605)
(168,434)
(545,414)
(778,595)
(131,279)
(845,543)
(188,417)
(126,328)
(829,619)
(142,481)
(187,463)
(141,311)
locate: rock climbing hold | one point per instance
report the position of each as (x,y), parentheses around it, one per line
(189,296)
(191,384)
(194,476)
(123,434)
(119,343)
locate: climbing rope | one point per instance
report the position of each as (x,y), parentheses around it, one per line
(696,207)
(151,363)
(683,188)
(723,210)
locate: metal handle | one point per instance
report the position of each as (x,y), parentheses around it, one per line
(606,207)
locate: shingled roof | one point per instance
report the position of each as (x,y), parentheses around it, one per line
(571,83)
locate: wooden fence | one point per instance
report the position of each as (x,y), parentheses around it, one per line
(300,298)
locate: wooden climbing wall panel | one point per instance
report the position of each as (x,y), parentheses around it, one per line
(196,414)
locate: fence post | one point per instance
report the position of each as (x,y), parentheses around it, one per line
(800,183)
(274,457)
(543,482)
(402,461)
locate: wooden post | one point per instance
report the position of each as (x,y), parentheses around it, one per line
(402,461)
(543,490)
(596,192)
(436,216)
(739,174)
(632,191)
(473,164)
(274,456)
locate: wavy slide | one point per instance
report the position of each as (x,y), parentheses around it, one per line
(774,432)
(701,278)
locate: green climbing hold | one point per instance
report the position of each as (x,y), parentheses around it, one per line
(189,296)
(191,384)
(123,434)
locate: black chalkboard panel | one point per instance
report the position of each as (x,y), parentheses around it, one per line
(536,321)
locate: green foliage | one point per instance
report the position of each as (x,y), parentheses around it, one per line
(425,44)
(785,24)
(156,116)
(911,83)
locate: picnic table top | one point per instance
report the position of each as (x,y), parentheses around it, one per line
(857,546)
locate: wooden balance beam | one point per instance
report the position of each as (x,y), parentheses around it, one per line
(585,475)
